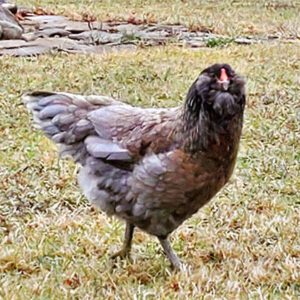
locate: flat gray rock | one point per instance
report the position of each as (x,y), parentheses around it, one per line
(9,6)
(46,19)
(173,29)
(97,37)
(7,44)
(26,51)
(128,28)
(245,41)
(194,43)
(153,35)
(52,32)
(77,27)
(10,29)
(63,44)
(47,33)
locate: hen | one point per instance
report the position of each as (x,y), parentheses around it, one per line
(152,167)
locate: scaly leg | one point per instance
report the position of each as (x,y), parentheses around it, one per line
(175,262)
(125,251)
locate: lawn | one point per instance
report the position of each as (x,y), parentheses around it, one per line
(245,244)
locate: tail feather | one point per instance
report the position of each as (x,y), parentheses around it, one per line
(63,119)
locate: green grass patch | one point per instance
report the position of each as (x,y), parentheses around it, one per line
(218,42)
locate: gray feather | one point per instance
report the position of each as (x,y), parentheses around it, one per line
(101,148)
(50,130)
(63,119)
(51,111)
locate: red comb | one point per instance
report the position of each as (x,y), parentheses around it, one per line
(223,76)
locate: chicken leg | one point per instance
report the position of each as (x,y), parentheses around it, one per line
(125,251)
(175,261)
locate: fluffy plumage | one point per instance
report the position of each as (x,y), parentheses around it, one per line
(154,168)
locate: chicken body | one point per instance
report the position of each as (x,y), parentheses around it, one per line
(153,168)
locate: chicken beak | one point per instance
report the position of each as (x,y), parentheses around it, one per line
(224,80)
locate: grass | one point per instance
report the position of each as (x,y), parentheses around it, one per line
(218,42)
(245,244)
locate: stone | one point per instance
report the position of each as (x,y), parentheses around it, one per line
(27,50)
(39,34)
(46,19)
(7,44)
(52,32)
(244,41)
(9,6)
(78,27)
(127,28)
(97,37)
(9,26)
(55,42)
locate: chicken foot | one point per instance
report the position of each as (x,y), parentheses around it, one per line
(125,251)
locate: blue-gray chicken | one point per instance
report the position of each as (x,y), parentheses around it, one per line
(153,168)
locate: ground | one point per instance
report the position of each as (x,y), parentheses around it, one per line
(245,244)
